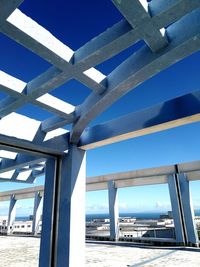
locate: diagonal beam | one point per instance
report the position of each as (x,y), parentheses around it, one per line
(109,43)
(136,14)
(15,177)
(139,67)
(31,180)
(55,122)
(7,177)
(32,167)
(36,173)
(170,114)
(121,35)
(21,160)
(7,7)
(176,7)
(28,33)
(17,91)
(37,39)
(54,146)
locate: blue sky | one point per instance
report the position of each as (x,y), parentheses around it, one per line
(75,24)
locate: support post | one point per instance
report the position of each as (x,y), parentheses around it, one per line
(188,210)
(37,212)
(12,213)
(48,240)
(113,210)
(71,221)
(174,192)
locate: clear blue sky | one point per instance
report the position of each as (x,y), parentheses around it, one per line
(75,23)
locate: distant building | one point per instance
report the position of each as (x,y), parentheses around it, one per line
(169,215)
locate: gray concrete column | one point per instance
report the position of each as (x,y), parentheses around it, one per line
(48,235)
(113,210)
(71,221)
(174,192)
(188,210)
(37,212)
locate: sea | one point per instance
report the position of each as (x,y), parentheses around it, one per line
(138,215)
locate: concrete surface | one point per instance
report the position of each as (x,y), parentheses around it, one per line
(23,252)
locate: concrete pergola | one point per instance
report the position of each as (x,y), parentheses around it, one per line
(176,176)
(171,32)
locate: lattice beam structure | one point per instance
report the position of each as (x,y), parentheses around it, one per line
(138,68)
(171,32)
(20,167)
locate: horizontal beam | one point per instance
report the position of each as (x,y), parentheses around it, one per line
(54,146)
(141,177)
(173,113)
(193,175)
(124,179)
(135,174)
(22,193)
(7,8)
(150,180)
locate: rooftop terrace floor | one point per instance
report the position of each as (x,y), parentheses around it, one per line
(24,251)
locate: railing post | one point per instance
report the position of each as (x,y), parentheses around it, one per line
(37,211)
(188,211)
(113,210)
(12,213)
(174,192)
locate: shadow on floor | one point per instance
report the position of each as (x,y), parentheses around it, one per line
(152,259)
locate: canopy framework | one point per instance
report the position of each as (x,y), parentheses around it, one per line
(165,28)
(170,31)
